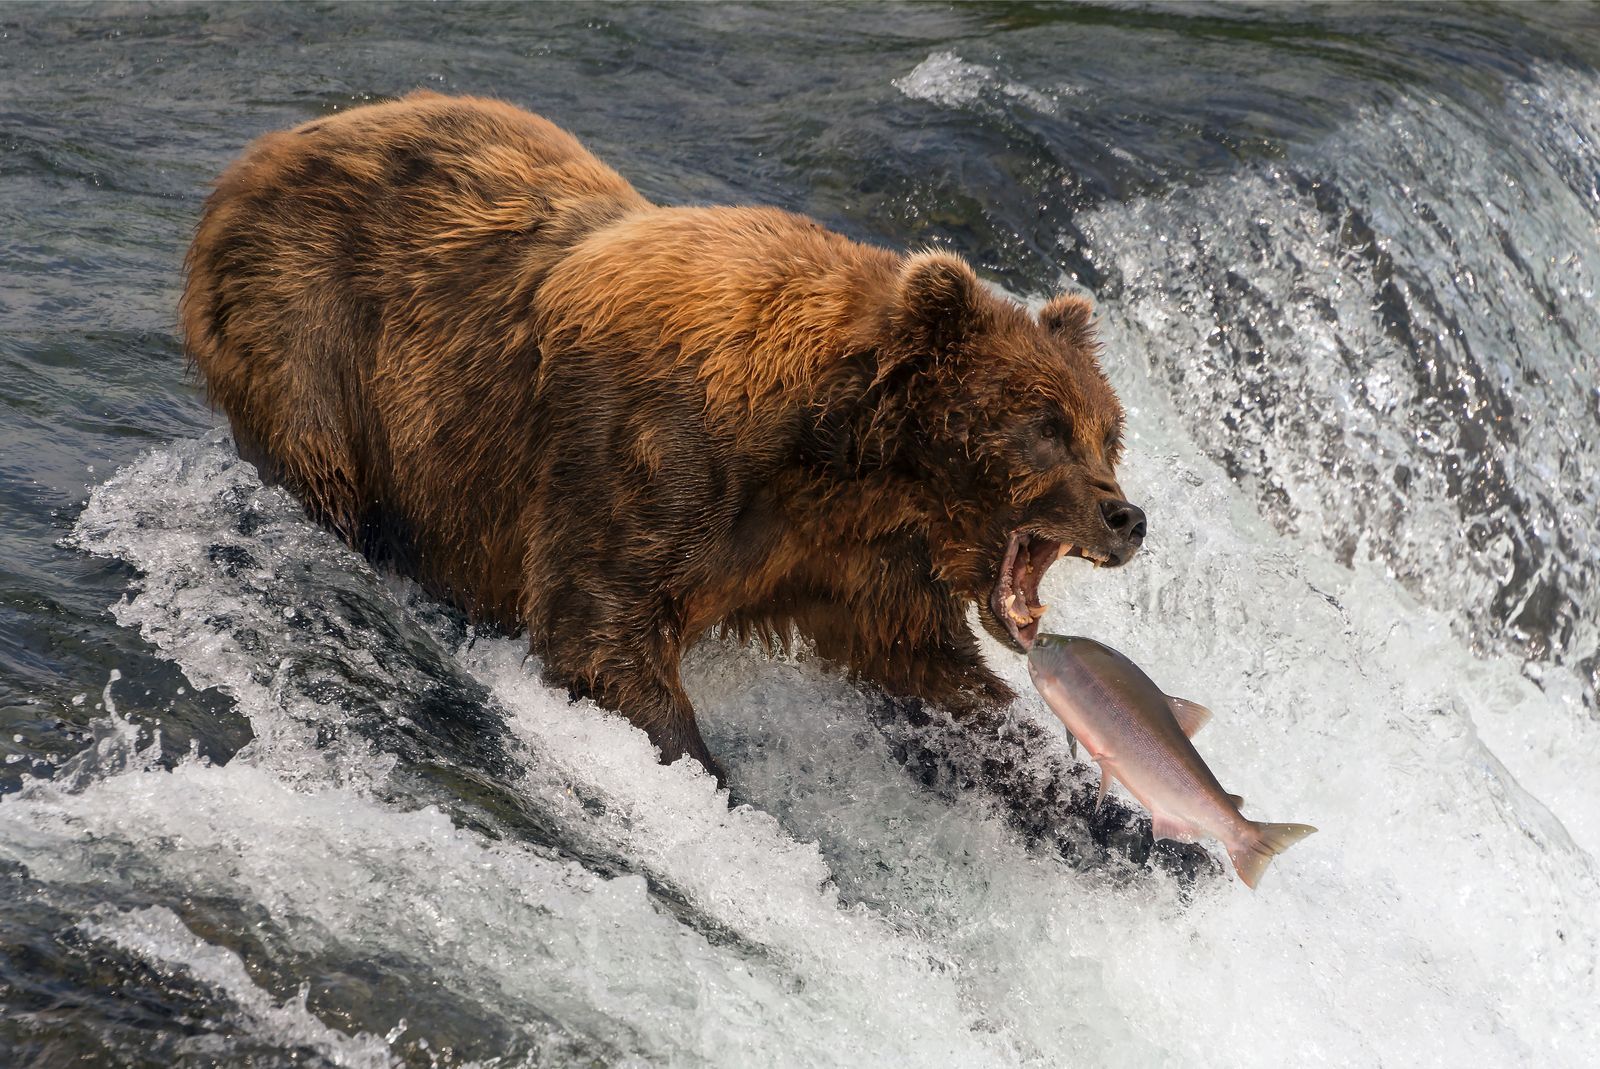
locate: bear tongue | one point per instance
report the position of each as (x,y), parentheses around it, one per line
(1033,559)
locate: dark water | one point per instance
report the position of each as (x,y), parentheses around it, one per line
(268,808)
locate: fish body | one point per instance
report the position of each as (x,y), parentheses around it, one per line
(1140,737)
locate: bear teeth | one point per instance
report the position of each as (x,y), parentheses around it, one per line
(1092,556)
(1022,616)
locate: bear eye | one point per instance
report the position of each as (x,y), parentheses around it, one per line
(1054,429)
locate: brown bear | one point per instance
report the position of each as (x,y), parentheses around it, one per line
(477,353)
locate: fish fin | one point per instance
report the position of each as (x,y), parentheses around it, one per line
(1072,745)
(1105,785)
(1237,800)
(1191,716)
(1266,841)
(1165,827)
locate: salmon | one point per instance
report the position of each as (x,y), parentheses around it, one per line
(1140,737)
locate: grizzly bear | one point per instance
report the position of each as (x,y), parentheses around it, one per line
(478,354)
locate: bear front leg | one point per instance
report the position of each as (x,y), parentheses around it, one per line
(923,651)
(667,718)
(653,701)
(599,637)
(949,675)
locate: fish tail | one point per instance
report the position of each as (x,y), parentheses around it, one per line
(1265,842)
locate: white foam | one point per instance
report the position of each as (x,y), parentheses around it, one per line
(945,78)
(157,935)
(882,1001)
(913,927)
(523,936)
(185,516)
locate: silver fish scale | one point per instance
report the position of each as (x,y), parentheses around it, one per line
(1128,717)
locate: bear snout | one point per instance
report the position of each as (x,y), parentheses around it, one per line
(1126,521)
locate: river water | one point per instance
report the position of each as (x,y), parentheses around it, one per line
(260,805)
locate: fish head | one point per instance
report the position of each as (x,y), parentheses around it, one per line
(1087,683)
(1068,671)
(1053,659)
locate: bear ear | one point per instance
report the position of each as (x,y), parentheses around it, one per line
(939,299)
(1070,317)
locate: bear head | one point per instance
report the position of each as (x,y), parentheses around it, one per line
(1010,427)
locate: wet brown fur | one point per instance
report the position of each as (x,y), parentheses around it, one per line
(478,353)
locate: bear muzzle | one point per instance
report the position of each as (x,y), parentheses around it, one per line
(1014,601)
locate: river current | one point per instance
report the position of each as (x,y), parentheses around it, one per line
(262,805)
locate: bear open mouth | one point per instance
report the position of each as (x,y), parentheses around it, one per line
(1015,601)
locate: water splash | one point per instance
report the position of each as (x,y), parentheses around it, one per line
(851,917)
(945,78)
(1385,367)
(176,511)
(158,936)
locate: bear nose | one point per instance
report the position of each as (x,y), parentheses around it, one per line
(1124,519)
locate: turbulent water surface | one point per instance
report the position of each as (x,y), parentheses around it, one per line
(261,805)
